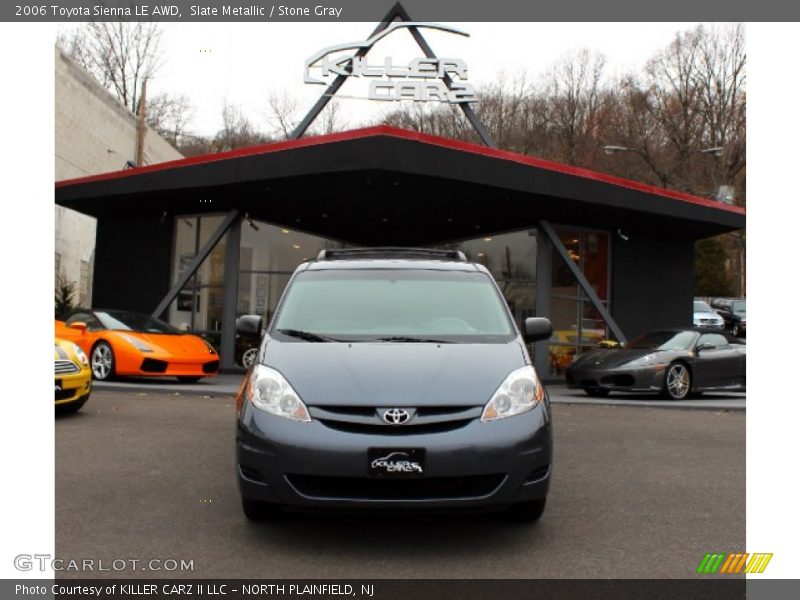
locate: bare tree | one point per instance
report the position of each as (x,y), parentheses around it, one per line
(671,82)
(120,55)
(237,131)
(574,103)
(169,115)
(501,107)
(331,118)
(721,99)
(282,113)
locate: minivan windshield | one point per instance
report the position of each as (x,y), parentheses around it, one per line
(392,305)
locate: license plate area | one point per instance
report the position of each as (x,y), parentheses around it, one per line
(396,463)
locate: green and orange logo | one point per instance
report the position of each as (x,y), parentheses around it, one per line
(738,562)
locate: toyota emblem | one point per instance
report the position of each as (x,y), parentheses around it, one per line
(396,416)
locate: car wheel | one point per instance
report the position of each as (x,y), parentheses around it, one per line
(256,510)
(189,379)
(249,357)
(527,511)
(596,392)
(72,407)
(735,331)
(677,381)
(103,364)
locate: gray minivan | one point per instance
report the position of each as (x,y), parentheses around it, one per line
(394,378)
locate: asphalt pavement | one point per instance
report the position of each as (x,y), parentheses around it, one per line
(637,492)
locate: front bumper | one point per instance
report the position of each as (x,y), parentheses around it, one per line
(624,379)
(71,388)
(168,365)
(710,324)
(311,465)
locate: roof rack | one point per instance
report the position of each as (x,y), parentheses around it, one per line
(392,252)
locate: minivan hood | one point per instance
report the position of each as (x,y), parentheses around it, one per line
(394,374)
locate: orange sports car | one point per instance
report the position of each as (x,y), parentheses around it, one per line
(120,342)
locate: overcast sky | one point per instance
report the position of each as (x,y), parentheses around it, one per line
(244,62)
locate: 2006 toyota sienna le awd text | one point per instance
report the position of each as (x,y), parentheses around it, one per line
(394,379)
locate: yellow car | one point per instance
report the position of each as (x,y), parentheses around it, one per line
(73,376)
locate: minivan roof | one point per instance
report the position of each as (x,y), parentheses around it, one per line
(391,263)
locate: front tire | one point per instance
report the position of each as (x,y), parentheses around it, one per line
(103,362)
(249,357)
(529,511)
(677,381)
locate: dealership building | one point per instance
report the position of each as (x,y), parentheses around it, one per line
(94,133)
(203,240)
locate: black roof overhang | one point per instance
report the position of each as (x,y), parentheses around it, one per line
(385,186)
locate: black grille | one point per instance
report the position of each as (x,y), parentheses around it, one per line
(211,366)
(367,419)
(63,367)
(411,429)
(65,394)
(152,365)
(619,380)
(364,488)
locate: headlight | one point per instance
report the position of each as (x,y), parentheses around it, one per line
(519,393)
(81,355)
(211,349)
(140,346)
(647,359)
(269,391)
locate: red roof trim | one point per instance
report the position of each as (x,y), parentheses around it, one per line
(395,132)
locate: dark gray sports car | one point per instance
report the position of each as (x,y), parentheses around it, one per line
(672,362)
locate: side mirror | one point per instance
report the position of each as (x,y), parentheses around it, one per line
(537,329)
(703,347)
(79,325)
(249,325)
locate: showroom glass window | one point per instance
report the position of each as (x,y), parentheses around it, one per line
(511,259)
(198,306)
(268,256)
(577,325)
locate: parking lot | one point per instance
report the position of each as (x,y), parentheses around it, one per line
(637,492)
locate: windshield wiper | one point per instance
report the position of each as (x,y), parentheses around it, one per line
(405,338)
(306,335)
